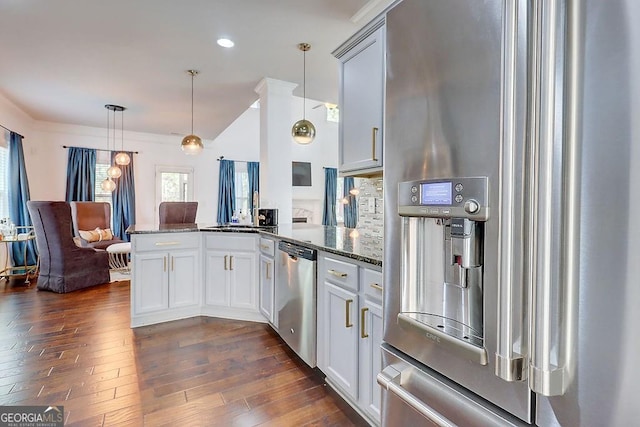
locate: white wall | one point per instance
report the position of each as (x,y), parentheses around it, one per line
(46,160)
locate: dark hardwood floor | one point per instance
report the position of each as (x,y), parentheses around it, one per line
(77,350)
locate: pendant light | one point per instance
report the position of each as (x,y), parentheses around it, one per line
(192,144)
(122,158)
(113,171)
(303,131)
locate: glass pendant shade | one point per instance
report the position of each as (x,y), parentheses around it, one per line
(108,185)
(122,159)
(192,145)
(303,132)
(114,172)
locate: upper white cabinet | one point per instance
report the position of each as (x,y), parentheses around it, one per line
(165,277)
(362,86)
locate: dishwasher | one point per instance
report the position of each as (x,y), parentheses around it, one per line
(295,296)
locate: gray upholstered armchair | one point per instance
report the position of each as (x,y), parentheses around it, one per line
(64,266)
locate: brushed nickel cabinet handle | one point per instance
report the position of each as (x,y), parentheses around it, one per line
(347,313)
(231,262)
(376,286)
(268,271)
(265,247)
(374,135)
(363,314)
(225,262)
(337,273)
(164,264)
(173,263)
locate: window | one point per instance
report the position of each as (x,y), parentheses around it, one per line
(173,184)
(242,187)
(103,162)
(333,113)
(4,187)
(339,204)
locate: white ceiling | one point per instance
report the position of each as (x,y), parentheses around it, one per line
(63,60)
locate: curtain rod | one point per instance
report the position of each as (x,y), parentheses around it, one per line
(241,161)
(4,127)
(98,149)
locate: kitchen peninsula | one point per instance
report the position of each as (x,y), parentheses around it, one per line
(239,272)
(187,270)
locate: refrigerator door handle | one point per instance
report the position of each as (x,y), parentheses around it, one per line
(557,178)
(391,380)
(509,364)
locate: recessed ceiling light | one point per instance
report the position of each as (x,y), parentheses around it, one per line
(225,43)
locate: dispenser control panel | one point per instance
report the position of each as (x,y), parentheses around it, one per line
(445,198)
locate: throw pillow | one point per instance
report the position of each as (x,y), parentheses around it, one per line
(96,235)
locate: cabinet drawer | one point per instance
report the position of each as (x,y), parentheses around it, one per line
(231,241)
(166,241)
(267,246)
(372,283)
(341,273)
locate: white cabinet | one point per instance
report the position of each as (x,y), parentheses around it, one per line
(361,98)
(350,330)
(370,356)
(267,279)
(166,277)
(341,337)
(231,281)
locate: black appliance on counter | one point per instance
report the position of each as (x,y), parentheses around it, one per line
(267,217)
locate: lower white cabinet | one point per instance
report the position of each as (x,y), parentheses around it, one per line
(350,330)
(231,281)
(267,279)
(341,337)
(370,357)
(165,278)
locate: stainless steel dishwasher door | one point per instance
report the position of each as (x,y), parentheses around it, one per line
(296,299)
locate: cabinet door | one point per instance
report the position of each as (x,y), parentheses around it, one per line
(266,287)
(184,278)
(217,278)
(243,283)
(150,282)
(361,105)
(341,338)
(370,357)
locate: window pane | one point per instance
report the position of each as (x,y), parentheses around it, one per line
(175,186)
(339,204)
(242,187)
(4,188)
(103,161)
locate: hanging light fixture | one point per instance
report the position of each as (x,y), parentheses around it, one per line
(122,158)
(114,171)
(192,144)
(303,131)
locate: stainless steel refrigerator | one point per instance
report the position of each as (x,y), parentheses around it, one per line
(511,177)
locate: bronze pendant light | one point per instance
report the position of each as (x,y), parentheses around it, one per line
(192,144)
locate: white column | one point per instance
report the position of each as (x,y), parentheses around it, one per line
(275,146)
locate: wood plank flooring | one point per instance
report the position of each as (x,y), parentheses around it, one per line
(77,350)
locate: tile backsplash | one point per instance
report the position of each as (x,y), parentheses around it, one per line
(370,207)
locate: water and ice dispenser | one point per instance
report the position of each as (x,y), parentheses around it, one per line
(443,224)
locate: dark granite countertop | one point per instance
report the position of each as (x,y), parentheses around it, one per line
(348,242)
